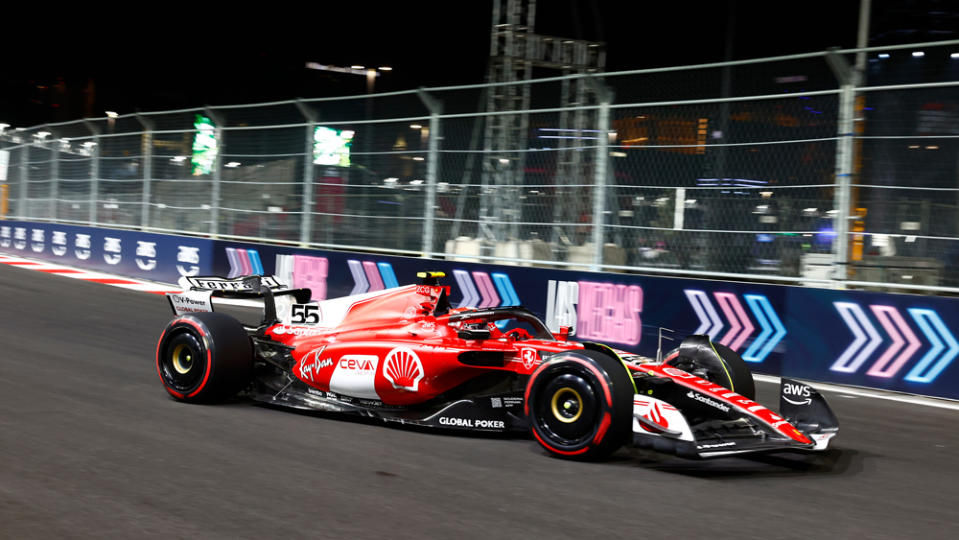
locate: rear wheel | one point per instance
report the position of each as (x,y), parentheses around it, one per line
(714,362)
(579,405)
(204,357)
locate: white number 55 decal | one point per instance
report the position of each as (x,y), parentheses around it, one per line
(305,314)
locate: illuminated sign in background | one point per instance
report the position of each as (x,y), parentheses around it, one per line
(205,145)
(331,146)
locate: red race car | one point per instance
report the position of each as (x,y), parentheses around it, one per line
(405,355)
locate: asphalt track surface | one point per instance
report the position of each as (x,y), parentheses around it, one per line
(92,447)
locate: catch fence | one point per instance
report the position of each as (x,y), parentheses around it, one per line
(797,169)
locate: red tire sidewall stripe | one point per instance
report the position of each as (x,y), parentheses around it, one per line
(607,417)
(563,452)
(209,357)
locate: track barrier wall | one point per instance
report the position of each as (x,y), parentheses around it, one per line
(889,341)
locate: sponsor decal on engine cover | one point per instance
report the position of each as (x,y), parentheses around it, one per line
(472,423)
(312,363)
(298,331)
(354,375)
(403,369)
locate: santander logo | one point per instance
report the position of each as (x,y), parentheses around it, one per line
(403,369)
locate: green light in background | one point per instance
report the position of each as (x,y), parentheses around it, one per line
(204,145)
(332,147)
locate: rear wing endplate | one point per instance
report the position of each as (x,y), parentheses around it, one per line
(198,292)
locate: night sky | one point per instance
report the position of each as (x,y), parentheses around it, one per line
(61,65)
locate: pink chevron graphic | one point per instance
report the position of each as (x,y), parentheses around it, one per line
(244,261)
(373,274)
(734,312)
(486,289)
(890,319)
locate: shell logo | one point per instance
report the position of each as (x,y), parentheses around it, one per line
(655,414)
(403,369)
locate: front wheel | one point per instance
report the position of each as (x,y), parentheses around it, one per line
(579,405)
(204,357)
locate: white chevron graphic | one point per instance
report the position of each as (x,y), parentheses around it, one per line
(857,321)
(470,297)
(709,321)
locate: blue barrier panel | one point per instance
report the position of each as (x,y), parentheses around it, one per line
(881,340)
(892,341)
(156,257)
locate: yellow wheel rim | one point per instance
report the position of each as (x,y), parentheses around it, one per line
(182,359)
(563,401)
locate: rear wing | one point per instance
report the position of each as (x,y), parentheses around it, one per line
(198,293)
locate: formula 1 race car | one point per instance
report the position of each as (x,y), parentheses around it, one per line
(405,355)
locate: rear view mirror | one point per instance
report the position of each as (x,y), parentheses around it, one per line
(564,333)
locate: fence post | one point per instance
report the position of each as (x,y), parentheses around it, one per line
(147,152)
(217,172)
(605,96)
(94,171)
(306,219)
(54,175)
(24,181)
(435,107)
(844,161)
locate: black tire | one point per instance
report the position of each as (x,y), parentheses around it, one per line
(204,357)
(714,362)
(580,405)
